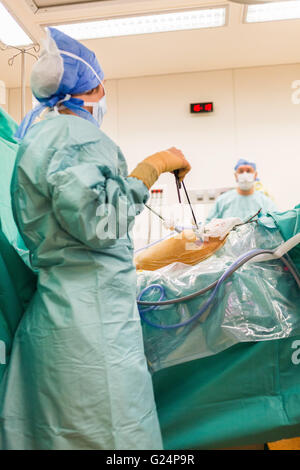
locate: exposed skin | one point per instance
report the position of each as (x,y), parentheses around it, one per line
(91,96)
(247,169)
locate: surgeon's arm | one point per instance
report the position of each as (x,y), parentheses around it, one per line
(92,203)
(152,167)
(271,206)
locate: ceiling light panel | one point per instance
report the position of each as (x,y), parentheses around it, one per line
(278,11)
(11,32)
(58,3)
(158,23)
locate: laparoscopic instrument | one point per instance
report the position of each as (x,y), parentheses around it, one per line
(178,185)
(162,218)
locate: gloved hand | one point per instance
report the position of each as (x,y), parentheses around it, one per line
(166,161)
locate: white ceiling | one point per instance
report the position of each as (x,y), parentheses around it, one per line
(233,46)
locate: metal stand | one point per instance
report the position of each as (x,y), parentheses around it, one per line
(22,51)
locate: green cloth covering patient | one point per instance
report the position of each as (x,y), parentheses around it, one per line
(289,225)
(215,387)
(245,395)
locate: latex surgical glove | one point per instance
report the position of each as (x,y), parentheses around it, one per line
(162,162)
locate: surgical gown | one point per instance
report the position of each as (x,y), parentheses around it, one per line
(8,150)
(232,204)
(77,376)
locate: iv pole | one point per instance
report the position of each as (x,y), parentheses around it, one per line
(22,51)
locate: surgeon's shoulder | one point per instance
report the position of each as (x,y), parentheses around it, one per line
(262,196)
(67,130)
(228,195)
(266,201)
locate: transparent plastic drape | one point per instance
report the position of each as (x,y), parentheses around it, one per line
(259,302)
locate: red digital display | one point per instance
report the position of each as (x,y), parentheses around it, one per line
(197,108)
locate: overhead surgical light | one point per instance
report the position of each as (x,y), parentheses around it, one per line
(11,32)
(158,23)
(283,10)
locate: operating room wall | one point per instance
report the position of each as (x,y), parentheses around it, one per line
(254,118)
(14,102)
(4,99)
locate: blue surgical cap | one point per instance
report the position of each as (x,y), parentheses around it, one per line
(244,162)
(65,67)
(77,77)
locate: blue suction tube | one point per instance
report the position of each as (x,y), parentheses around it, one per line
(151,306)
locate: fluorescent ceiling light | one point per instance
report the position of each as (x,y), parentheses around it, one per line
(288,10)
(11,32)
(158,23)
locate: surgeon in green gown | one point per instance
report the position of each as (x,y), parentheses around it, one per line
(77,376)
(244,201)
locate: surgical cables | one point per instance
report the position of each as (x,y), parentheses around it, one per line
(215,286)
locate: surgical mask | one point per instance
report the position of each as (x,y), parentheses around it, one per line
(245,180)
(99,109)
